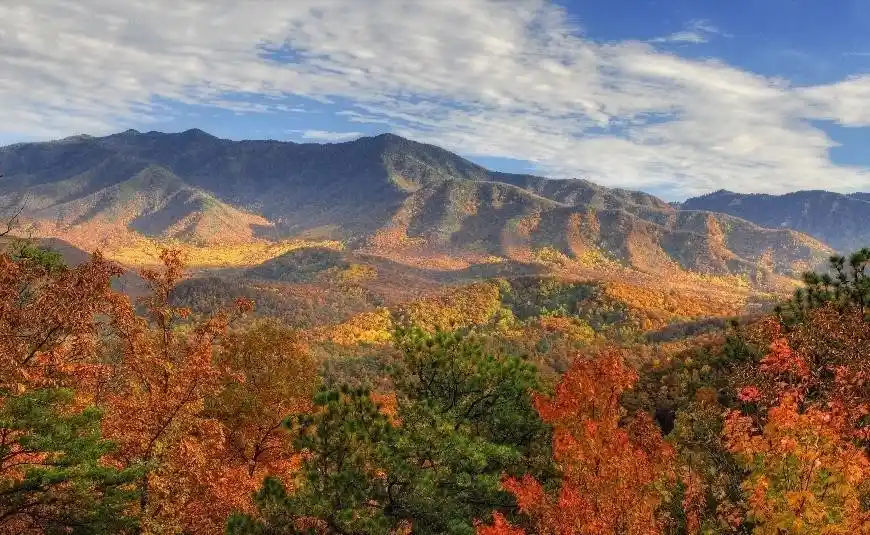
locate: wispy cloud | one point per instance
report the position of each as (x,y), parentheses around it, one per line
(506,78)
(696,32)
(324,135)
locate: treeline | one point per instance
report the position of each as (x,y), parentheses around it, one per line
(147,418)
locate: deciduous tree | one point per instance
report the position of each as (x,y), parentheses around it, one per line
(163,371)
(804,477)
(279,378)
(52,475)
(610,472)
(271,377)
(802,431)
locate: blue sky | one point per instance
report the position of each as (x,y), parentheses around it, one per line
(676,97)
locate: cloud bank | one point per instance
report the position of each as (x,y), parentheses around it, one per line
(507,78)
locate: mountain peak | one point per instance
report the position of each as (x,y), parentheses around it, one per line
(390,136)
(196,132)
(387,139)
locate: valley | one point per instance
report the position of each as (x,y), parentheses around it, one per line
(392,217)
(410,267)
(254,305)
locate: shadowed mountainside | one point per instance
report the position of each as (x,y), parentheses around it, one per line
(839,220)
(382,195)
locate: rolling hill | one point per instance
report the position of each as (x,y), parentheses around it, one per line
(469,219)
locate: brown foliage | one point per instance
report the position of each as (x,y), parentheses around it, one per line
(278,378)
(49,339)
(48,333)
(162,371)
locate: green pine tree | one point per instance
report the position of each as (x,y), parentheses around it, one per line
(27,250)
(846,284)
(464,418)
(51,477)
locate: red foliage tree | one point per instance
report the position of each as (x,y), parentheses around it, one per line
(803,434)
(610,472)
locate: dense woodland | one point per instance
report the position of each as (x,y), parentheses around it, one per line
(507,407)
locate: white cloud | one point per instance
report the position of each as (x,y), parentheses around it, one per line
(847,101)
(324,135)
(510,78)
(696,32)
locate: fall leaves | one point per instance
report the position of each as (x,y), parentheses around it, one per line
(190,421)
(201,406)
(48,335)
(52,478)
(161,376)
(804,478)
(146,418)
(803,435)
(609,471)
(795,445)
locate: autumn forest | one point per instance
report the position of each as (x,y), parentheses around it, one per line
(201,336)
(496,410)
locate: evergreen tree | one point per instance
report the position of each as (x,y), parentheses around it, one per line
(49,259)
(846,284)
(344,441)
(463,418)
(51,476)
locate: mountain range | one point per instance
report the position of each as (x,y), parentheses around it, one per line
(840,220)
(391,197)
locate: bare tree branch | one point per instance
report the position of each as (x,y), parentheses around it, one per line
(12,222)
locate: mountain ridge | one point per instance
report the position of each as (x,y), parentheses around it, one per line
(383,194)
(835,218)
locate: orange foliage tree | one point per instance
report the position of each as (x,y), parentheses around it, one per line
(163,370)
(48,336)
(193,411)
(804,477)
(278,380)
(822,364)
(610,472)
(52,475)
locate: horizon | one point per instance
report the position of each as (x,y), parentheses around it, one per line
(663,96)
(374,135)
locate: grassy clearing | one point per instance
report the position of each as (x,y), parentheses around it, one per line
(147,252)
